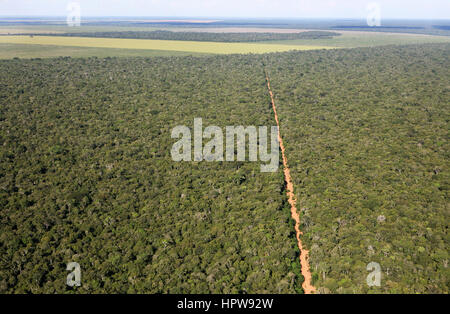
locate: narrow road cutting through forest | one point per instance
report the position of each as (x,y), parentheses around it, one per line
(307,284)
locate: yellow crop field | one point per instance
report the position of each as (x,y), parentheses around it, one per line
(167,45)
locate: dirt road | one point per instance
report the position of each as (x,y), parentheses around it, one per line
(307,285)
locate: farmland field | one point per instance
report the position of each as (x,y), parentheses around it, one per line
(166,45)
(352,39)
(9,51)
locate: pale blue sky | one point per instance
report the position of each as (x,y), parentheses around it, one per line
(425,9)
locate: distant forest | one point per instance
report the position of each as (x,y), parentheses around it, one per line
(205,36)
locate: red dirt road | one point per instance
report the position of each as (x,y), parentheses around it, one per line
(307,285)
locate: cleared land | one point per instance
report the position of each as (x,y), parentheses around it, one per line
(57,29)
(167,45)
(9,51)
(353,39)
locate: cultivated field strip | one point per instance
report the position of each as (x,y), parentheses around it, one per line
(164,45)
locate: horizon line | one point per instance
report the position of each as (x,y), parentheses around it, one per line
(222,17)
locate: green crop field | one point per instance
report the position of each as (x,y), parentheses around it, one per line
(353,39)
(59,29)
(166,45)
(9,51)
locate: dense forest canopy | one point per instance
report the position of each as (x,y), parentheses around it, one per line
(367,137)
(86,174)
(205,36)
(87,177)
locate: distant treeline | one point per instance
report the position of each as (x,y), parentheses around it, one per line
(441,30)
(442,27)
(204,36)
(377,27)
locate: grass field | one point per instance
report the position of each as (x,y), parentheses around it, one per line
(9,51)
(354,39)
(166,45)
(46,29)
